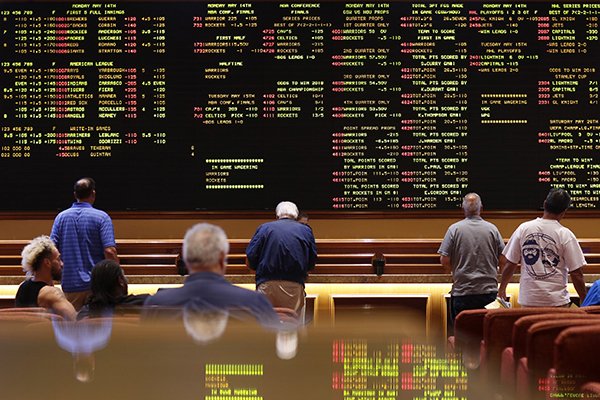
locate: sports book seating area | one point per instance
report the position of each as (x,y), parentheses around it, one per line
(532,353)
(336,256)
(343,284)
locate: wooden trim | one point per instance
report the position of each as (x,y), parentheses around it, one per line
(314,214)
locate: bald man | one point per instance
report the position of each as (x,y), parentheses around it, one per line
(470,251)
(85,236)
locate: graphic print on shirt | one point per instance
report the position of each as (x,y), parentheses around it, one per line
(540,256)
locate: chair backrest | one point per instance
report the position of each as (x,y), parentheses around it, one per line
(468,328)
(576,355)
(591,390)
(497,332)
(541,337)
(522,325)
(27,317)
(22,309)
(591,309)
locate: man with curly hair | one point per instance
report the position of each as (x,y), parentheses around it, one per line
(42,263)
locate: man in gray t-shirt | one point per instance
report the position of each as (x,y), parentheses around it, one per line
(470,250)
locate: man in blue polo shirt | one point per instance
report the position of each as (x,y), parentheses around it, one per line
(84,236)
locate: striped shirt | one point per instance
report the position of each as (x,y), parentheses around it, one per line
(81,234)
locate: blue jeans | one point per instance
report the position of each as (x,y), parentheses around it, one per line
(469,302)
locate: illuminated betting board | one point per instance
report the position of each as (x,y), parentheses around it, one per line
(348,106)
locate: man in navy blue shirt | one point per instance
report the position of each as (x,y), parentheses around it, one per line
(282,252)
(84,236)
(205,249)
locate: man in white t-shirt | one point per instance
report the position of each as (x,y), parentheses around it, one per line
(548,253)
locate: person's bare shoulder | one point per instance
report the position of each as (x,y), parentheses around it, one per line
(52,298)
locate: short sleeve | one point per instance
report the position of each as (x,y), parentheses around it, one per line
(107,233)
(512,251)
(446,246)
(574,258)
(500,242)
(54,234)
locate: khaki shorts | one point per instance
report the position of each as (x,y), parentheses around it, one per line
(78,299)
(285,294)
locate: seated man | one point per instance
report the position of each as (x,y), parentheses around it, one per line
(205,249)
(42,263)
(109,292)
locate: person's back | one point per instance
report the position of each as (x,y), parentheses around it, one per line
(282,252)
(28,293)
(475,253)
(78,232)
(470,251)
(548,253)
(214,291)
(85,236)
(286,251)
(205,249)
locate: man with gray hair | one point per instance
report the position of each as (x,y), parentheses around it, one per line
(42,264)
(282,252)
(470,251)
(205,249)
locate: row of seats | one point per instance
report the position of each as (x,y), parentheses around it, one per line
(532,353)
(336,256)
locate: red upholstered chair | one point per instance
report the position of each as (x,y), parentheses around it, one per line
(468,332)
(576,361)
(533,368)
(497,335)
(591,309)
(22,309)
(28,317)
(591,390)
(511,355)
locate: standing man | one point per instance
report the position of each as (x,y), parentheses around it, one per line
(282,252)
(41,261)
(470,250)
(84,236)
(548,253)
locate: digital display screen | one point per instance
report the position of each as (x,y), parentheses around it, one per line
(337,106)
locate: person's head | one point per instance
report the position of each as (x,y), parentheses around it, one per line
(204,325)
(108,283)
(286,209)
(205,248)
(472,205)
(85,190)
(42,259)
(302,218)
(557,201)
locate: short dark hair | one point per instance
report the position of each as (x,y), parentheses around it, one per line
(557,201)
(84,187)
